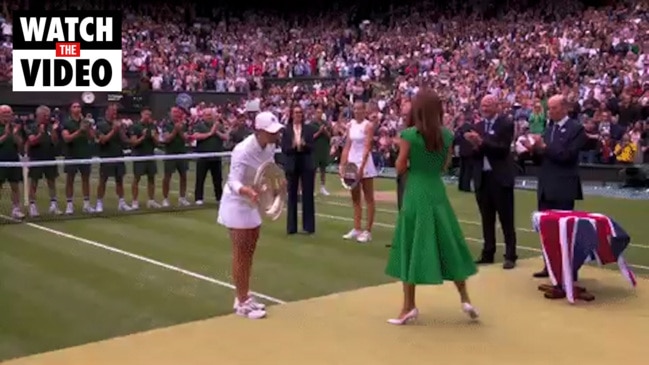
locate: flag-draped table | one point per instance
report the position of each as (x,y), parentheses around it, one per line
(570,239)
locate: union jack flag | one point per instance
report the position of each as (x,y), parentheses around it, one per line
(570,239)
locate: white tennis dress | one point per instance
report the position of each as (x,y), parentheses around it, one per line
(235,210)
(357,135)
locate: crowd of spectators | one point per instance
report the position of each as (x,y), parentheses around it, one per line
(598,58)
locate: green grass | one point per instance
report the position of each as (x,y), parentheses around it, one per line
(58,291)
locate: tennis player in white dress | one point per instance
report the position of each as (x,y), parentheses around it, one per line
(238,210)
(357,150)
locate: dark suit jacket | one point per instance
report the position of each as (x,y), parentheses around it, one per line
(294,160)
(559,172)
(466,149)
(497,148)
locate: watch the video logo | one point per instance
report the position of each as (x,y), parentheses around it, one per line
(67,51)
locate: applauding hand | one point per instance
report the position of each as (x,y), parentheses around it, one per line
(474,138)
(538,141)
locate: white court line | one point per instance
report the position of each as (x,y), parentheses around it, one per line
(143,259)
(223,283)
(524,248)
(392,211)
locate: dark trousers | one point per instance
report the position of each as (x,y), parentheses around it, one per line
(305,179)
(543,204)
(494,199)
(401,187)
(466,173)
(213,166)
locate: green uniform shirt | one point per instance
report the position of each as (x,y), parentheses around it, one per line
(45,149)
(322,142)
(177,144)
(147,146)
(80,147)
(213,143)
(8,147)
(114,147)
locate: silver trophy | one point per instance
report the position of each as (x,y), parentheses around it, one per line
(271,187)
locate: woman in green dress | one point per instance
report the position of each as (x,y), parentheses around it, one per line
(428,246)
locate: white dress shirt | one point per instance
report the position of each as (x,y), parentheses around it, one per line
(297,135)
(237,211)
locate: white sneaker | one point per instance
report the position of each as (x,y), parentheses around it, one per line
(87,208)
(135,205)
(152,204)
(324,191)
(183,202)
(199,202)
(353,234)
(165,203)
(252,301)
(99,208)
(54,209)
(248,310)
(33,211)
(364,237)
(69,208)
(16,213)
(123,207)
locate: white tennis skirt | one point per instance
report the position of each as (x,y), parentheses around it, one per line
(238,214)
(370,169)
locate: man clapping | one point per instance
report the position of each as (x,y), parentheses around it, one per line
(42,140)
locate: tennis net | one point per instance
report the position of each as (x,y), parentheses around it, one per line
(33,191)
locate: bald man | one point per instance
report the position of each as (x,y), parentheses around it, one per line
(493,179)
(10,144)
(559,183)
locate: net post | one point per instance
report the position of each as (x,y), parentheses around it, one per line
(25,169)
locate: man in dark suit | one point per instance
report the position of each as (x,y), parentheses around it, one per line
(493,179)
(466,156)
(297,148)
(559,184)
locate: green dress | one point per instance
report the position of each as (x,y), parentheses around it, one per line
(428,246)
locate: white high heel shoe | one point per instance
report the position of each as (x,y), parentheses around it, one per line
(410,316)
(470,311)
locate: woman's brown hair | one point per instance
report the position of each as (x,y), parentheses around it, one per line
(294,108)
(426,115)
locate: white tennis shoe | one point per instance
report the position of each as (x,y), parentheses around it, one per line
(364,237)
(16,213)
(152,204)
(249,309)
(252,301)
(33,211)
(352,235)
(54,209)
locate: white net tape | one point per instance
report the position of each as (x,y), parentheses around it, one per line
(66,188)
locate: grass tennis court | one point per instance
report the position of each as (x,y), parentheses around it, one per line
(75,281)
